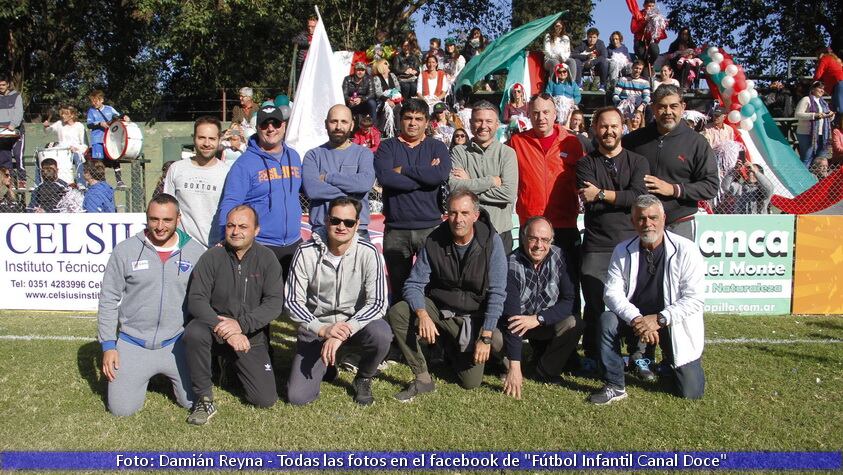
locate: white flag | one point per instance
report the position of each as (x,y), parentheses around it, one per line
(317,91)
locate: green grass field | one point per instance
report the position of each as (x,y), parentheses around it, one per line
(761,395)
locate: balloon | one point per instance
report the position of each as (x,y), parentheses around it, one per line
(731,70)
(727,82)
(754,93)
(734,117)
(750,84)
(747,110)
(717,58)
(754,117)
(744,97)
(758,103)
(746,124)
(712,51)
(740,83)
(712,68)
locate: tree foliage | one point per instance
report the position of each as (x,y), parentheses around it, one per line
(577,17)
(763,33)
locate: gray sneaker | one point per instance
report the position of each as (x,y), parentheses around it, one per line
(414,389)
(363,391)
(642,369)
(202,412)
(607,395)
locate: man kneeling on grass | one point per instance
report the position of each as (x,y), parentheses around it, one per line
(539,306)
(141,316)
(457,285)
(655,290)
(337,294)
(236,291)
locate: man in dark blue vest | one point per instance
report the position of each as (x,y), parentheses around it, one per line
(457,286)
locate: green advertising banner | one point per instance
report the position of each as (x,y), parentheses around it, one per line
(749,263)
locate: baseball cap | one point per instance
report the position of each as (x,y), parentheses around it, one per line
(269,111)
(359,65)
(439,107)
(718,111)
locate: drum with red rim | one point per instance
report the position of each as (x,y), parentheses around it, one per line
(123,140)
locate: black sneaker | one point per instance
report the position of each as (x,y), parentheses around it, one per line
(363,391)
(545,377)
(414,389)
(642,370)
(607,395)
(202,412)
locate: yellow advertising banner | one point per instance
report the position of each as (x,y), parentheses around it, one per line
(818,271)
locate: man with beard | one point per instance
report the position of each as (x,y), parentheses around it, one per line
(336,169)
(609,180)
(197,183)
(655,291)
(682,165)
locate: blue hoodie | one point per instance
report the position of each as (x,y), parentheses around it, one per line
(99,198)
(271,186)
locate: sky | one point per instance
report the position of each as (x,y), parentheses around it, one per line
(609,16)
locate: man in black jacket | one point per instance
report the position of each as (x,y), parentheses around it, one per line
(591,54)
(682,165)
(609,179)
(359,93)
(235,292)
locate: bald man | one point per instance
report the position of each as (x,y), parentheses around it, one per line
(336,169)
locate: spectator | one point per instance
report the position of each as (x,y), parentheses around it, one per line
(684,58)
(820,167)
(359,92)
(407,65)
(748,190)
(412,169)
(336,169)
(813,131)
(245,114)
(388,96)
(11,124)
(634,122)
(619,59)
(666,77)
(9,202)
(474,44)
(577,126)
(99,196)
(366,134)
(436,50)
(460,137)
(233,145)
(433,84)
(557,49)
(648,28)
(517,105)
(454,61)
(591,55)
(441,127)
(99,119)
(779,100)
(830,72)
(837,142)
(562,84)
(302,40)
(267,177)
(46,196)
(71,135)
(633,92)
(717,131)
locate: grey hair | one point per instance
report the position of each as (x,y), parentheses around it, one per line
(484,105)
(666,90)
(645,201)
(462,193)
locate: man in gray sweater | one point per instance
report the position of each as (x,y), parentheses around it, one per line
(488,169)
(141,316)
(337,296)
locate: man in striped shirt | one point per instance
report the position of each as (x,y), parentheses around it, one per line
(633,88)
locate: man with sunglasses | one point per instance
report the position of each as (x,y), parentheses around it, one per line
(337,169)
(655,290)
(337,296)
(267,177)
(609,180)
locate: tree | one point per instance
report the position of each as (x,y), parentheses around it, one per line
(577,16)
(763,33)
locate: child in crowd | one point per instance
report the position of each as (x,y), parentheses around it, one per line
(71,135)
(367,134)
(100,117)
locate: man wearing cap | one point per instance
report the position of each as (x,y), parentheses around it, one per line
(359,92)
(683,169)
(267,177)
(716,131)
(488,169)
(337,169)
(245,114)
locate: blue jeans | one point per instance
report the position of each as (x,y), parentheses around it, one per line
(689,378)
(807,152)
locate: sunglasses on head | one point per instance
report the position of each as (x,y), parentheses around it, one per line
(334,221)
(274,122)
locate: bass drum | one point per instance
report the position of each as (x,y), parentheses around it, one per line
(123,140)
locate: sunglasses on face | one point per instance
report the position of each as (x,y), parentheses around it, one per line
(275,123)
(460,136)
(334,221)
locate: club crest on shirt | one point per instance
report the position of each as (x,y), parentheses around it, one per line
(184,266)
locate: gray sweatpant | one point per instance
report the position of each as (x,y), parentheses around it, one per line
(127,392)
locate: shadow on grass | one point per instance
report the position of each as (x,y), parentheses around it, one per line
(780,352)
(88,362)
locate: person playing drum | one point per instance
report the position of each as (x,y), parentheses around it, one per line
(100,117)
(71,135)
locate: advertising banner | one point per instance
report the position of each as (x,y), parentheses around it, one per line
(818,279)
(56,261)
(749,263)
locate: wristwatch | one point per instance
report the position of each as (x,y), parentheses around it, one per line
(601,195)
(661,320)
(540,319)
(486,340)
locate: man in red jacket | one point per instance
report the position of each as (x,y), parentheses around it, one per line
(547,180)
(647,41)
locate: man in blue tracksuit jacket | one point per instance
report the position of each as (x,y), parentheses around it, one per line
(267,177)
(141,312)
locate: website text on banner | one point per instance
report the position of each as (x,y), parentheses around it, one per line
(56,261)
(749,263)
